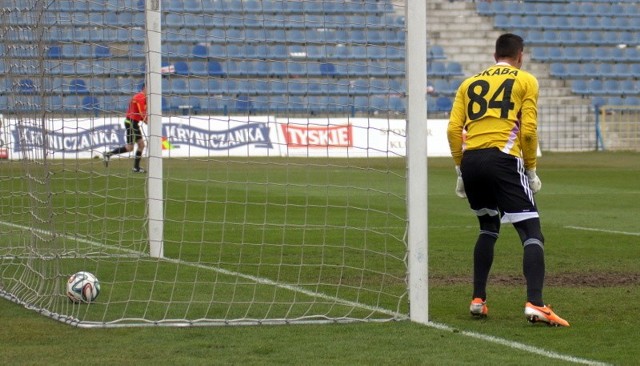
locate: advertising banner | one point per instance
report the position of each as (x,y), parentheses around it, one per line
(198,136)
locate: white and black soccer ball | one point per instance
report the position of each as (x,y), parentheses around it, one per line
(83,287)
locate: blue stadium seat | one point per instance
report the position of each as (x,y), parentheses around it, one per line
(397,104)
(26,86)
(606,70)
(328,69)
(437,68)
(174,20)
(444,104)
(628,87)
(615,101)
(78,86)
(431,104)
(194,6)
(436,52)
(540,54)
(101,51)
(278,87)
(214,68)
(198,68)
(216,86)
(558,69)
(278,69)
(610,86)
(90,103)
(53,52)
(595,86)
(200,51)
(441,86)
(179,85)
(454,69)
(598,101)
(485,8)
(632,101)
(72,103)
(588,70)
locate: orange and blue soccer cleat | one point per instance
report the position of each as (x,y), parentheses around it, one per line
(543,314)
(478,308)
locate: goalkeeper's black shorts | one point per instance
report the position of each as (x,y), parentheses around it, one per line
(496,183)
(133,131)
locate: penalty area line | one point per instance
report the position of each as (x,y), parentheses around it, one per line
(516,345)
(602,230)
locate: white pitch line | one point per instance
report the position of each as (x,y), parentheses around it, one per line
(439,326)
(518,346)
(603,230)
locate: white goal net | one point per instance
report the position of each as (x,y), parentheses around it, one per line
(276,184)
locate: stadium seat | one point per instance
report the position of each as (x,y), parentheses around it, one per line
(610,86)
(397,104)
(278,87)
(558,69)
(90,103)
(628,87)
(441,86)
(632,101)
(72,103)
(277,69)
(26,86)
(175,19)
(595,86)
(615,101)
(444,104)
(540,54)
(437,68)
(598,101)
(214,68)
(328,69)
(200,51)
(436,52)
(315,88)
(53,52)
(198,68)
(454,69)
(181,68)
(78,86)
(586,70)
(101,51)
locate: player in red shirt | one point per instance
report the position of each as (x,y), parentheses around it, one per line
(136,113)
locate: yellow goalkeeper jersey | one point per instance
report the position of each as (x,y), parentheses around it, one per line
(496,108)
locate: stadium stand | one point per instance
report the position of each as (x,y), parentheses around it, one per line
(593,45)
(314,41)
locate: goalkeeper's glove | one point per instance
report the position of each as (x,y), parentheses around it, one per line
(534,182)
(460,184)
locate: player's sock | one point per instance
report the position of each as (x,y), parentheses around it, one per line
(482,261)
(533,266)
(118,150)
(136,161)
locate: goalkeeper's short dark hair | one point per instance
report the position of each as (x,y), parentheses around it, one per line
(509,45)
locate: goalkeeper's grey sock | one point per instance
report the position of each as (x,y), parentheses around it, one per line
(482,261)
(533,267)
(136,161)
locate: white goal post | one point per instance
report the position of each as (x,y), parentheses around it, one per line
(286,160)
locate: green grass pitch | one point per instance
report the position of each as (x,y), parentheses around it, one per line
(589,204)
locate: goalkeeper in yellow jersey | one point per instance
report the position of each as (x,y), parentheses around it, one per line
(493,137)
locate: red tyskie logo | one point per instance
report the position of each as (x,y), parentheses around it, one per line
(321,136)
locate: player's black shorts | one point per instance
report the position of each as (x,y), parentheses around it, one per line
(495,182)
(133,131)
